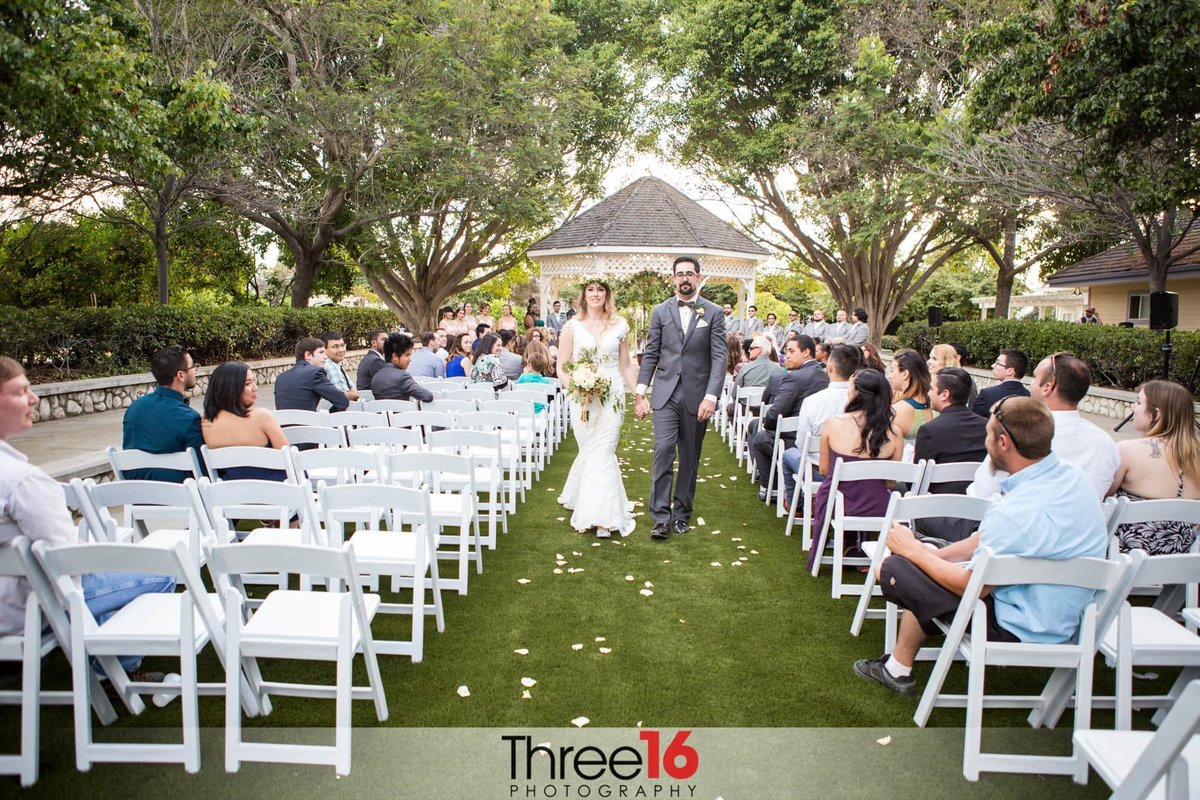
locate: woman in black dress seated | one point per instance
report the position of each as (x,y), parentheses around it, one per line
(231,420)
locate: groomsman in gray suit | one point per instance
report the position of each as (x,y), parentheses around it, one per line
(732,324)
(685,359)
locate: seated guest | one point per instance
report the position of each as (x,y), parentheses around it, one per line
(858,332)
(537,366)
(162,421)
(459,365)
(872,359)
(32,505)
(231,419)
(844,361)
(821,354)
(774,330)
(946,355)
(425,362)
(956,434)
(757,371)
(802,379)
(512,359)
(304,385)
(393,382)
(372,360)
(734,354)
(335,354)
(865,432)
(487,368)
(1048,510)
(1009,368)
(908,375)
(1166,463)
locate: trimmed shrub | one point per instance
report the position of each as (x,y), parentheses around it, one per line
(1119,357)
(114,341)
(892,343)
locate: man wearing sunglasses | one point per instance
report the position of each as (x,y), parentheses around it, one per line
(1048,510)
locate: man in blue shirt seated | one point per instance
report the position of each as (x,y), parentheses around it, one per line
(304,385)
(393,382)
(425,362)
(1049,510)
(162,421)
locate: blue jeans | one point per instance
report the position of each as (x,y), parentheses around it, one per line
(791,463)
(106,593)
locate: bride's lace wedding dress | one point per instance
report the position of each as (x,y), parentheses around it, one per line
(594,490)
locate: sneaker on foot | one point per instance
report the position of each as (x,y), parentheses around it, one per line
(603,533)
(875,670)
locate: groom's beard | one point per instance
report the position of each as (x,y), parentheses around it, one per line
(686,291)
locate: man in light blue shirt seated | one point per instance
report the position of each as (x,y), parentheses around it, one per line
(425,362)
(1049,510)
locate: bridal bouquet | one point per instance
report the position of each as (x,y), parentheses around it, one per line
(587,383)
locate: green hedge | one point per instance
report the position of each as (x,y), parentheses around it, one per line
(113,341)
(1119,357)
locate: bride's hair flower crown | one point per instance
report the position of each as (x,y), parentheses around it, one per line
(602,280)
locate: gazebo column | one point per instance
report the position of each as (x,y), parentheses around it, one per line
(750,292)
(741,300)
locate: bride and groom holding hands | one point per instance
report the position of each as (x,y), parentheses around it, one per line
(685,360)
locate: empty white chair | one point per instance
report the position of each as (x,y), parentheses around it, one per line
(950,472)
(423,421)
(243,462)
(295,416)
(747,401)
(1109,579)
(390,406)
(313,435)
(347,421)
(486,449)
(509,427)
(783,426)
(535,430)
(386,438)
(125,461)
(309,626)
(404,550)
(452,405)
(336,465)
(1141,764)
(175,506)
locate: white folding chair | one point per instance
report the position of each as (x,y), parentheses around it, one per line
(126,461)
(535,430)
(449,481)
(1109,579)
(486,448)
(390,406)
(365,396)
(178,624)
(296,416)
(385,438)
(422,421)
(747,399)
(518,473)
(906,510)
(175,507)
(1168,599)
(313,435)
(839,522)
(337,465)
(806,484)
(347,421)
(219,459)
(481,391)
(452,405)
(949,472)
(547,395)
(783,426)
(29,647)
(1141,764)
(309,626)
(405,550)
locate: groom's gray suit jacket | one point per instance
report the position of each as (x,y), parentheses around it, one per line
(693,359)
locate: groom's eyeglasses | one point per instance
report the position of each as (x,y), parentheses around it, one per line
(688,274)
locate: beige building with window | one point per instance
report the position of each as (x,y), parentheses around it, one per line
(1117,284)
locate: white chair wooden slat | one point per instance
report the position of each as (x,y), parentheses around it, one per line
(143,503)
(948,472)
(405,550)
(905,510)
(449,481)
(389,438)
(297,416)
(837,521)
(178,625)
(337,465)
(350,420)
(326,626)
(28,647)
(1141,764)
(125,461)
(966,637)
(487,450)
(222,458)
(311,434)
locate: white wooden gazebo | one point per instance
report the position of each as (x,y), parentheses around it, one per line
(645,227)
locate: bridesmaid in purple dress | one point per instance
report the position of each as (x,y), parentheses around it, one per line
(866,431)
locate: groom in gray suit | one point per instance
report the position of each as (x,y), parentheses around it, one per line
(685,358)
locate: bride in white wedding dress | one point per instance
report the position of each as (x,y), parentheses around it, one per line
(594,490)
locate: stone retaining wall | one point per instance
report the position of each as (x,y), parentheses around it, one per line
(73,398)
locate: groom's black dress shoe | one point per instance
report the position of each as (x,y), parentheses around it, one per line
(681,526)
(659,531)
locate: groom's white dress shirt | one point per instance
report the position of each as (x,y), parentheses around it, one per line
(685,319)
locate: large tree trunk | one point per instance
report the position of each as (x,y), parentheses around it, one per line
(1006,272)
(165,202)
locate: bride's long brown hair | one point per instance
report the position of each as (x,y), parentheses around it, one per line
(610,302)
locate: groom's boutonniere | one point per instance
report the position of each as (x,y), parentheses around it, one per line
(699,312)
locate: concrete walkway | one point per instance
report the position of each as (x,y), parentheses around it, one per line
(74,446)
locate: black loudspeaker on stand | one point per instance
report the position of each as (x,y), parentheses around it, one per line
(935,316)
(1164,315)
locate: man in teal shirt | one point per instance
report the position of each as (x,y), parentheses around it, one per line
(1049,510)
(162,421)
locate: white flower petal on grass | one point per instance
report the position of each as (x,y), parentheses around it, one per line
(639,723)
(561,519)
(576,553)
(522,651)
(723,486)
(525,695)
(700,521)
(753,552)
(629,578)
(648,585)
(605,651)
(733,477)
(463,691)
(735,564)
(562,562)
(597,544)
(577,646)
(741,547)
(645,592)
(559,555)
(579,722)
(600,639)
(558,571)
(683,621)
(668,561)
(885,741)
(715,564)
(714,533)
(573,570)
(736,539)
(528,683)
(522,581)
